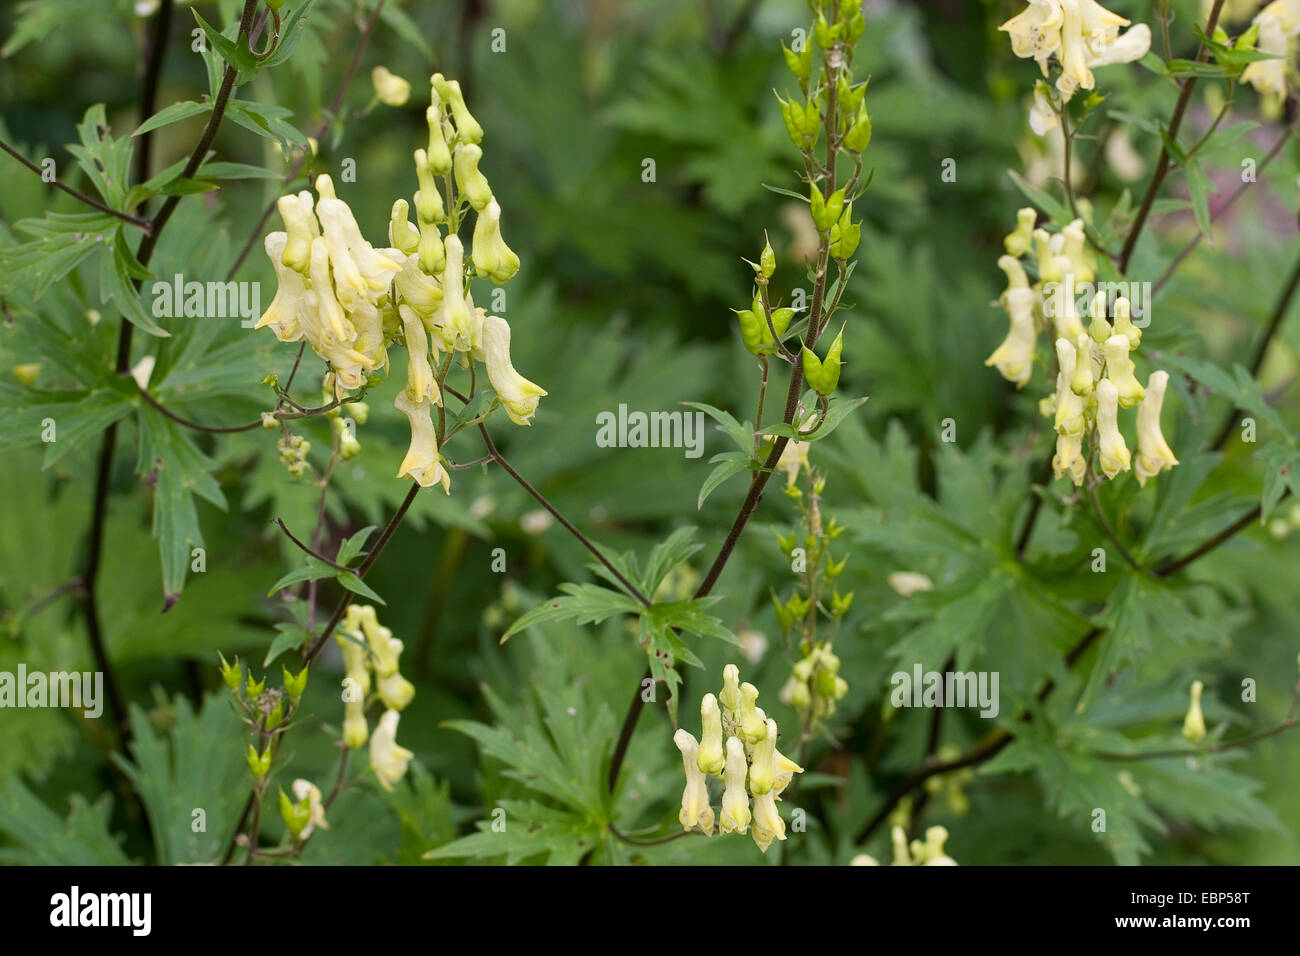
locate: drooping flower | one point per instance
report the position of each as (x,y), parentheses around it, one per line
(518,395)
(387,758)
(1069,405)
(1014,358)
(1113,452)
(1269,76)
(767,822)
(695,811)
(1119,369)
(735,798)
(1194,722)
(421,461)
(1036,31)
(492,257)
(391,89)
(1154,454)
(711,758)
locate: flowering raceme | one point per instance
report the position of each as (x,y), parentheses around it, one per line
(1096,377)
(748,763)
(352,301)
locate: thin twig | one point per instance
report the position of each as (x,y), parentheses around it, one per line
(144,224)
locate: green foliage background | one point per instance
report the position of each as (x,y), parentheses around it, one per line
(624,297)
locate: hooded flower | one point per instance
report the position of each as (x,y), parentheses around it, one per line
(472,184)
(1114,454)
(492,257)
(768,825)
(292,297)
(1036,31)
(711,758)
(391,89)
(1069,406)
(1119,369)
(695,811)
(387,759)
(421,461)
(517,394)
(1154,454)
(735,799)
(1014,358)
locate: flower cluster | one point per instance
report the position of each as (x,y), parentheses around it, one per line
(369,648)
(351,301)
(1095,372)
(918,853)
(748,763)
(1079,35)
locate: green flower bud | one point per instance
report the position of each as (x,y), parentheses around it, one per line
(845,235)
(825,34)
(254,688)
(800,64)
(858,137)
(849,97)
(767,260)
(800,696)
(854,27)
(296,816)
(294,686)
(276,715)
(231,674)
(824,374)
(259,764)
(781,319)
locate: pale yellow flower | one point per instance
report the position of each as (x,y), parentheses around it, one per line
(695,811)
(421,461)
(1014,358)
(1113,452)
(711,759)
(1194,722)
(518,395)
(391,89)
(306,790)
(1119,369)
(387,758)
(767,822)
(1154,454)
(1069,406)
(735,799)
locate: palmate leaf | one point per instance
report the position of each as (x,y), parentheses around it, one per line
(197,765)
(582,604)
(561,761)
(62,243)
(42,838)
(170,461)
(105,160)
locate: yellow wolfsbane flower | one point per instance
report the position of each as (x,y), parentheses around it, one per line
(768,825)
(1119,369)
(1036,31)
(735,799)
(391,89)
(518,395)
(306,790)
(1194,722)
(711,758)
(1069,406)
(421,461)
(1014,358)
(1114,454)
(1154,454)
(695,811)
(387,759)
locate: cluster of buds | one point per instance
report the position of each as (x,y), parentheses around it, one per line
(351,301)
(815,684)
(1079,36)
(345,427)
(1095,371)
(737,744)
(370,649)
(293,453)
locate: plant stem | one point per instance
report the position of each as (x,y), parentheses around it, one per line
(1163,165)
(144,224)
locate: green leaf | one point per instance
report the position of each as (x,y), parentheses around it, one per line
(198,763)
(62,243)
(1058,212)
(313,570)
(222,170)
(742,435)
(583,604)
(1200,187)
(729,463)
(170,461)
(173,114)
(267,120)
(39,837)
(290,33)
(105,161)
(354,584)
(236,54)
(290,638)
(351,546)
(838,409)
(116,286)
